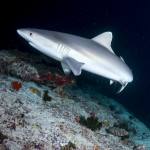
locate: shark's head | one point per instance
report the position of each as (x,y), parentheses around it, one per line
(28,34)
(41,40)
(35,37)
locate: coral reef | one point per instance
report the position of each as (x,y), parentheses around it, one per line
(69,146)
(2,137)
(49,111)
(3,66)
(23,70)
(91,122)
(118,132)
(139,147)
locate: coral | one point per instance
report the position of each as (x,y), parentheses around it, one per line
(2,137)
(58,140)
(96,147)
(46,77)
(118,132)
(29,123)
(106,123)
(123,124)
(2,147)
(139,147)
(16,85)
(63,80)
(69,146)
(23,70)
(3,66)
(128,142)
(91,122)
(46,97)
(33,145)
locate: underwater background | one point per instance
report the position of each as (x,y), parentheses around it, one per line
(129,21)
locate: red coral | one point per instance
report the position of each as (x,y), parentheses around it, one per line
(62,80)
(57,79)
(16,85)
(46,77)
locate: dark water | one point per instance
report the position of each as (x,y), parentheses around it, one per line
(128,20)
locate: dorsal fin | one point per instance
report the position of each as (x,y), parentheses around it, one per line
(104,39)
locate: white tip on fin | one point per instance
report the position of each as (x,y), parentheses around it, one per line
(104,39)
(122,88)
(111,82)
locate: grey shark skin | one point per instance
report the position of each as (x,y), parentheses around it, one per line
(76,53)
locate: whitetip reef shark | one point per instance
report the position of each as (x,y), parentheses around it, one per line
(77,53)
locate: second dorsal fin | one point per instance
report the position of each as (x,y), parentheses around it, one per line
(104,39)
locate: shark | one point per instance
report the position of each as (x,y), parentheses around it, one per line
(77,53)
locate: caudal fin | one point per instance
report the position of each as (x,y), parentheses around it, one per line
(122,87)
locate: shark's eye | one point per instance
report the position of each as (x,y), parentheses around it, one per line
(30,33)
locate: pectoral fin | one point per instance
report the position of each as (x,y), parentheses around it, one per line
(74,65)
(65,68)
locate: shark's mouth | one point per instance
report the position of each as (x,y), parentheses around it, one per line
(33,45)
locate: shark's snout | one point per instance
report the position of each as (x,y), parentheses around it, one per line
(21,32)
(24,34)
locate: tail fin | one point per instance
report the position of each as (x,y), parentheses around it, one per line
(123,86)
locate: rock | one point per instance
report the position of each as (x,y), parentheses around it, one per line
(23,70)
(139,147)
(2,147)
(2,137)
(46,97)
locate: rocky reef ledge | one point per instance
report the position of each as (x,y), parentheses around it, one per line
(41,109)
